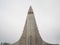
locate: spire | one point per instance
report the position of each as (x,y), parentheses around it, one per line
(30,10)
(30,34)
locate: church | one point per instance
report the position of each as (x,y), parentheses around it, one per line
(30,34)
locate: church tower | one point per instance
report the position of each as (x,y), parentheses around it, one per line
(30,34)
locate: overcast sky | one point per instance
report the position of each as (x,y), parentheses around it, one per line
(13,15)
